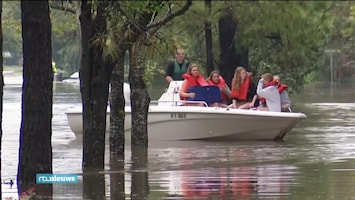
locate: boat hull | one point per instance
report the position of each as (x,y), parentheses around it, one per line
(211,123)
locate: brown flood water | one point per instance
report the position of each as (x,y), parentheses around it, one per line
(317,160)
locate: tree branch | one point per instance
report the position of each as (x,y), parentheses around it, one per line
(63,8)
(170,16)
(131,21)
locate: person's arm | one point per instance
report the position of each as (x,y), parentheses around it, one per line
(169,72)
(285,100)
(227,91)
(183,90)
(169,79)
(255,97)
(263,92)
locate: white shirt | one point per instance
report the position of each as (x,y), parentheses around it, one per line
(271,95)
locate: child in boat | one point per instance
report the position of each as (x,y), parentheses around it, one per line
(192,78)
(267,90)
(217,80)
(285,99)
(243,91)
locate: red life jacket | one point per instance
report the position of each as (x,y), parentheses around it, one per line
(194,81)
(282,87)
(242,93)
(271,83)
(221,84)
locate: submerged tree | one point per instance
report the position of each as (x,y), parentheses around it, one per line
(117,105)
(120,44)
(95,75)
(131,25)
(35,152)
(143,29)
(117,180)
(139,178)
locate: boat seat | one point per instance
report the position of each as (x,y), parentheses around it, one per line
(208,94)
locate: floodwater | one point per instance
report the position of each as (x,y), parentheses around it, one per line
(316,161)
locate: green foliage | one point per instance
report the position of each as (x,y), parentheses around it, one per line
(65,37)
(152,71)
(123,25)
(285,38)
(187,31)
(65,41)
(12,39)
(297,28)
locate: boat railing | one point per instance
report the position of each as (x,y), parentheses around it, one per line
(176,103)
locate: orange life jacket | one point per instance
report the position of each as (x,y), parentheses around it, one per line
(221,84)
(271,83)
(194,81)
(242,93)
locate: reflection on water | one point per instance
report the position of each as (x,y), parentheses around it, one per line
(117,177)
(93,185)
(315,162)
(239,182)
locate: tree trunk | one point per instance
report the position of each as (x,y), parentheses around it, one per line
(208,36)
(140,185)
(94,83)
(139,97)
(117,105)
(117,179)
(93,184)
(243,57)
(85,71)
(230,57)
(1,88)
(227,30)
(35,153)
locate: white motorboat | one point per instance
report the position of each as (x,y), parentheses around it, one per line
(168,120)
(11,78)
(74,78)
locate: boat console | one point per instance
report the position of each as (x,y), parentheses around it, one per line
(204,94)
(171,96)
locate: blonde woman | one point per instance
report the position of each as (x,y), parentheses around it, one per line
(192,78)
(243,91)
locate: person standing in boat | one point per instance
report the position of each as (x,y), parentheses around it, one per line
(285,99)
(243,91)
(192,78)
(268,92)
(177,67)
(217,80)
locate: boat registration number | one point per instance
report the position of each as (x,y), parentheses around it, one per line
(177,115)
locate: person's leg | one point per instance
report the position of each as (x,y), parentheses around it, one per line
(245,106)
(216,104)
(263,108)
(223,105)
